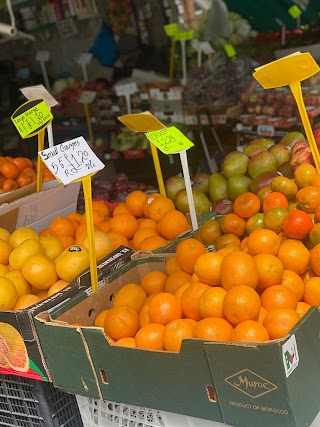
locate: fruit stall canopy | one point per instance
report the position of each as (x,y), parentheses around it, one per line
(263,14)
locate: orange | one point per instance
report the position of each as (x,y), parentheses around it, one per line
(234,224)
(126,342)
(297,224)
(250,330)
(209,230)
(294,255)
(9,185)
(100,206)
(103,226)
(149,199)
(121,208)
(314,234)
(57,287)
(22,286)
(187,253)
(302,308)
(190,300)
(284,185)
(9,170)
(66,240)
(194,278)
(81,228)
(175,332)
(308,198)
(211,302)
(150,337)
(278,296)
(132,295)
(312,291)
(246,205)
(142,234)
(4,234)
(304,174)
(5,251)
(317,212)
(97,216)
(121,322)
(22,180)
(124,223)
(21,163)
(270,270)
(42,294)
(103,245)
(164,308)
(274,218)
(180,290)
(21,253)
(8,294)
(75,215)
(21,234)
(72,262)
(262,314)
(134,202)
(238,268)
(172,224)
(294,282)
(29,171)
(26,301)
(207,268)
(152,243)
(314,258)
(52,246)
(118,239)
(3,270)
(241,303)
(213,328)
(144,318)
(44,232)
(62,225)
(226,239)
(279,321)
(100,319)
(263,241)
(40,271)
(275,200)
(154,281)
(172,265)
(307,274)
(160,206)
(147,222)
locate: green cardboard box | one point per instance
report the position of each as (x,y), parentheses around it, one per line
(244,385)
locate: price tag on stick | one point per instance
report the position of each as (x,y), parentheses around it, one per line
(171,141)
(30,119)
(291,70)
(73,161)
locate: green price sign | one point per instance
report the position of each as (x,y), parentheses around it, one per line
(230,50)
(171,29)
(294,11)
(169,140)
(31,117)
(184,35)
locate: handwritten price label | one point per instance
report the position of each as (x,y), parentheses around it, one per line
(169,140)
(230,50)
(184,35)
(71,160)
(171,29)
(28,121)
(294,11)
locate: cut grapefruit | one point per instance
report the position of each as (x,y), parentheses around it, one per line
(13,352)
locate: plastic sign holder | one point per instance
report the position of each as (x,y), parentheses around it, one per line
(171,30)
(146,122)
(30,119)
(84,59)
(183,36)
(126,89)
(172,141)
(39,91)
(74,161)
(291,70)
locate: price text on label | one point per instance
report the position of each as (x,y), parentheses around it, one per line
(71,160)
(169,140)
(33,119)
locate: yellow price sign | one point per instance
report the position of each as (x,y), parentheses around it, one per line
(141,122)
(294,11)
(171,29)
(184,35)
(169,140)
(31,117)
(230,50)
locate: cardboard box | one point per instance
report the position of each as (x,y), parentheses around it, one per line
(23,320)
(37,210)
(244,385)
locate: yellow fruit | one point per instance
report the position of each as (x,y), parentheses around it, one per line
(72,262)
(3,270)
(4,234)
(21,234)
(57,286)
(102,243)
(8,294)
(21,253)
(26,301)
(22,286)
(52,246)
(5,250)
(40,271)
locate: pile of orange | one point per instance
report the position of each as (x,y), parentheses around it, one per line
(17,172)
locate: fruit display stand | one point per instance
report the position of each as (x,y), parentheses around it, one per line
(31,403)
(239,384)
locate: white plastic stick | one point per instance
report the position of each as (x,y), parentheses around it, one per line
(84,72)
(50,135)
(199,56)
(128,102)
(45,75)
(187,181)
(184,62)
